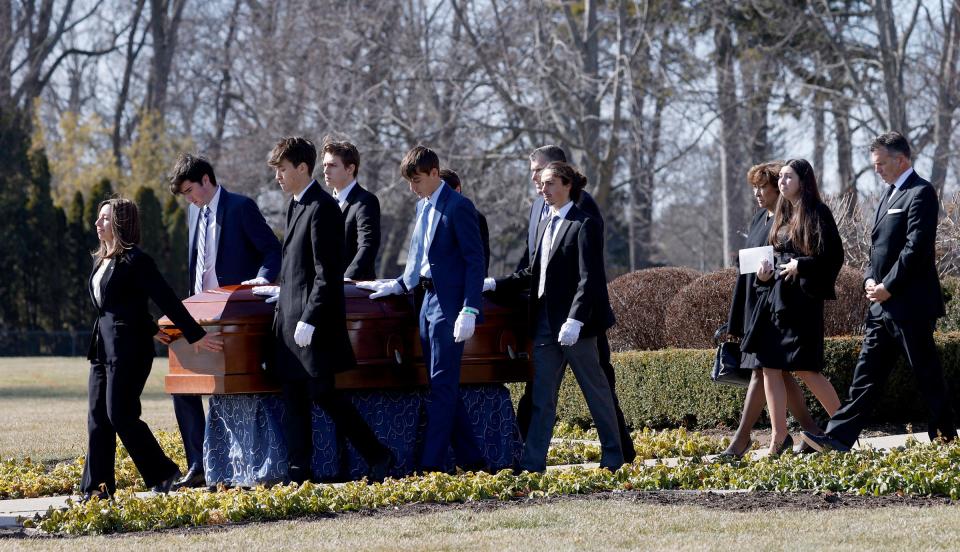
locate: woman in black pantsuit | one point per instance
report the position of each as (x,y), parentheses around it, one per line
(763,179)
(787,332)
(121,351)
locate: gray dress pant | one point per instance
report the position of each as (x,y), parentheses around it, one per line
(549,361)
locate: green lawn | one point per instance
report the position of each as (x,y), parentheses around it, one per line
(566,525)
(44,406)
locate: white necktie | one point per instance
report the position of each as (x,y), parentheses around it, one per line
(545,248)
(201,250)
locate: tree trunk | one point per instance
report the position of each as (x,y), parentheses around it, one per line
(947,99)
(733,212)
(165,17)
(841,118)
(132,51)
(889,44)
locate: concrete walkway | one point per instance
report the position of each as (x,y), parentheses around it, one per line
(11,510)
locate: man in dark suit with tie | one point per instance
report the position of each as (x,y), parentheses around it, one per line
(230,243)
(445,259)
(311,317)
(903,287)
(361,209)
(539,159)
(569,308)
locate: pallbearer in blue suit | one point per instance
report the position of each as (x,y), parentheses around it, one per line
(445,260)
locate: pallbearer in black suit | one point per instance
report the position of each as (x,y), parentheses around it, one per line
(903,287)
(787,331)
(121,352)
(311,317)
(569,307)
(539,212)
(230,243)
(360,208)
(453,180)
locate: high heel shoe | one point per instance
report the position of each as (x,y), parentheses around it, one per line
(784,446)
(731,454)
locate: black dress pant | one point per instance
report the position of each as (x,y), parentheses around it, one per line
(114,395)
(192,423)
(525,405)
(883,341)
(299,396)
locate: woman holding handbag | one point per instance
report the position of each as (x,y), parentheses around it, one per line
(763,179)
(787,333)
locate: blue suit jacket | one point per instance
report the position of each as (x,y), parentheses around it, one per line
(456,254)
(246,247)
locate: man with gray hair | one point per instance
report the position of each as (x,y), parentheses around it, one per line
(903,287)
(539,159)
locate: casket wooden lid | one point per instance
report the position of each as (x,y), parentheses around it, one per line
(226,305)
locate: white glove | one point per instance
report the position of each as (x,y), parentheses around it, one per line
(303,334)
(272,293)
(570,332)
(464,326)
(489,284)
(258,281)
(381,288)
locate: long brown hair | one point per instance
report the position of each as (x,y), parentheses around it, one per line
(125,224)
(801,220)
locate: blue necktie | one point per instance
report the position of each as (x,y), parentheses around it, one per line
(411,273)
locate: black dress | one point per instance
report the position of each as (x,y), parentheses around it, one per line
(786,332)
(740,319)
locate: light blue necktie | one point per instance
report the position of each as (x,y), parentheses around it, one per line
(201,250)
(411,273)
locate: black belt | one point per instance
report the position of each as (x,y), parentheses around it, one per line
(426,284)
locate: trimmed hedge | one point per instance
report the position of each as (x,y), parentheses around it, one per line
(672,387)
(639,300)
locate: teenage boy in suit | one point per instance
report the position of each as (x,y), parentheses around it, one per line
(229,243)
(361,209)
(445,260)
(310,322)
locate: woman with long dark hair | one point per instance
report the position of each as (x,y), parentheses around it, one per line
(121,351)
(763,180)
(787,334)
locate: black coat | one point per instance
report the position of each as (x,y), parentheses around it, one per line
(576,285)
(744,294)
(586,203)
(361,234)
(902,254)
(311,290)
(124,328)
(485,238)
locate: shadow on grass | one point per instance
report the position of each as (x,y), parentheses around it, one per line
(37,392)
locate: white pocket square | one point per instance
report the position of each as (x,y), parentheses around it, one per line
(894,211)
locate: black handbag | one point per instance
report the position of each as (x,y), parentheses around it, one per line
(726,365)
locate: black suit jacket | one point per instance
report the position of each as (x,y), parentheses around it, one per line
(902,254)
(124,328)
(586,203)
(485,238)
(361,234)
(576,285)
(246,246)
(311,290)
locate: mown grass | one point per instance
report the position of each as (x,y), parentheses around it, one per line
(574,525)
(44,406)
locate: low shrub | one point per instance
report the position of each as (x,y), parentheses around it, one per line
(845,315)
(915,469)
(697,310)
(951,296)
(672,387)
(639,300)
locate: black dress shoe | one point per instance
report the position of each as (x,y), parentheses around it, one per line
(732,454)
(784,446)
(194,479)
(166,485)
(90,495)
(380,470)
(823,442)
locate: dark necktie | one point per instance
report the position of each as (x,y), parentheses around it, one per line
(885,201)
(290,209)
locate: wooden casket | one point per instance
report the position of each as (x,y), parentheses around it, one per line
(384,334)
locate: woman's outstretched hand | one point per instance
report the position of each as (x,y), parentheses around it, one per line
(209,342)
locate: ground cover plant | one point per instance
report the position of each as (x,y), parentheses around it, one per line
(931,469)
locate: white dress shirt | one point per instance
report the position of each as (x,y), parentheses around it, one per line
(341,196)
(97,278)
